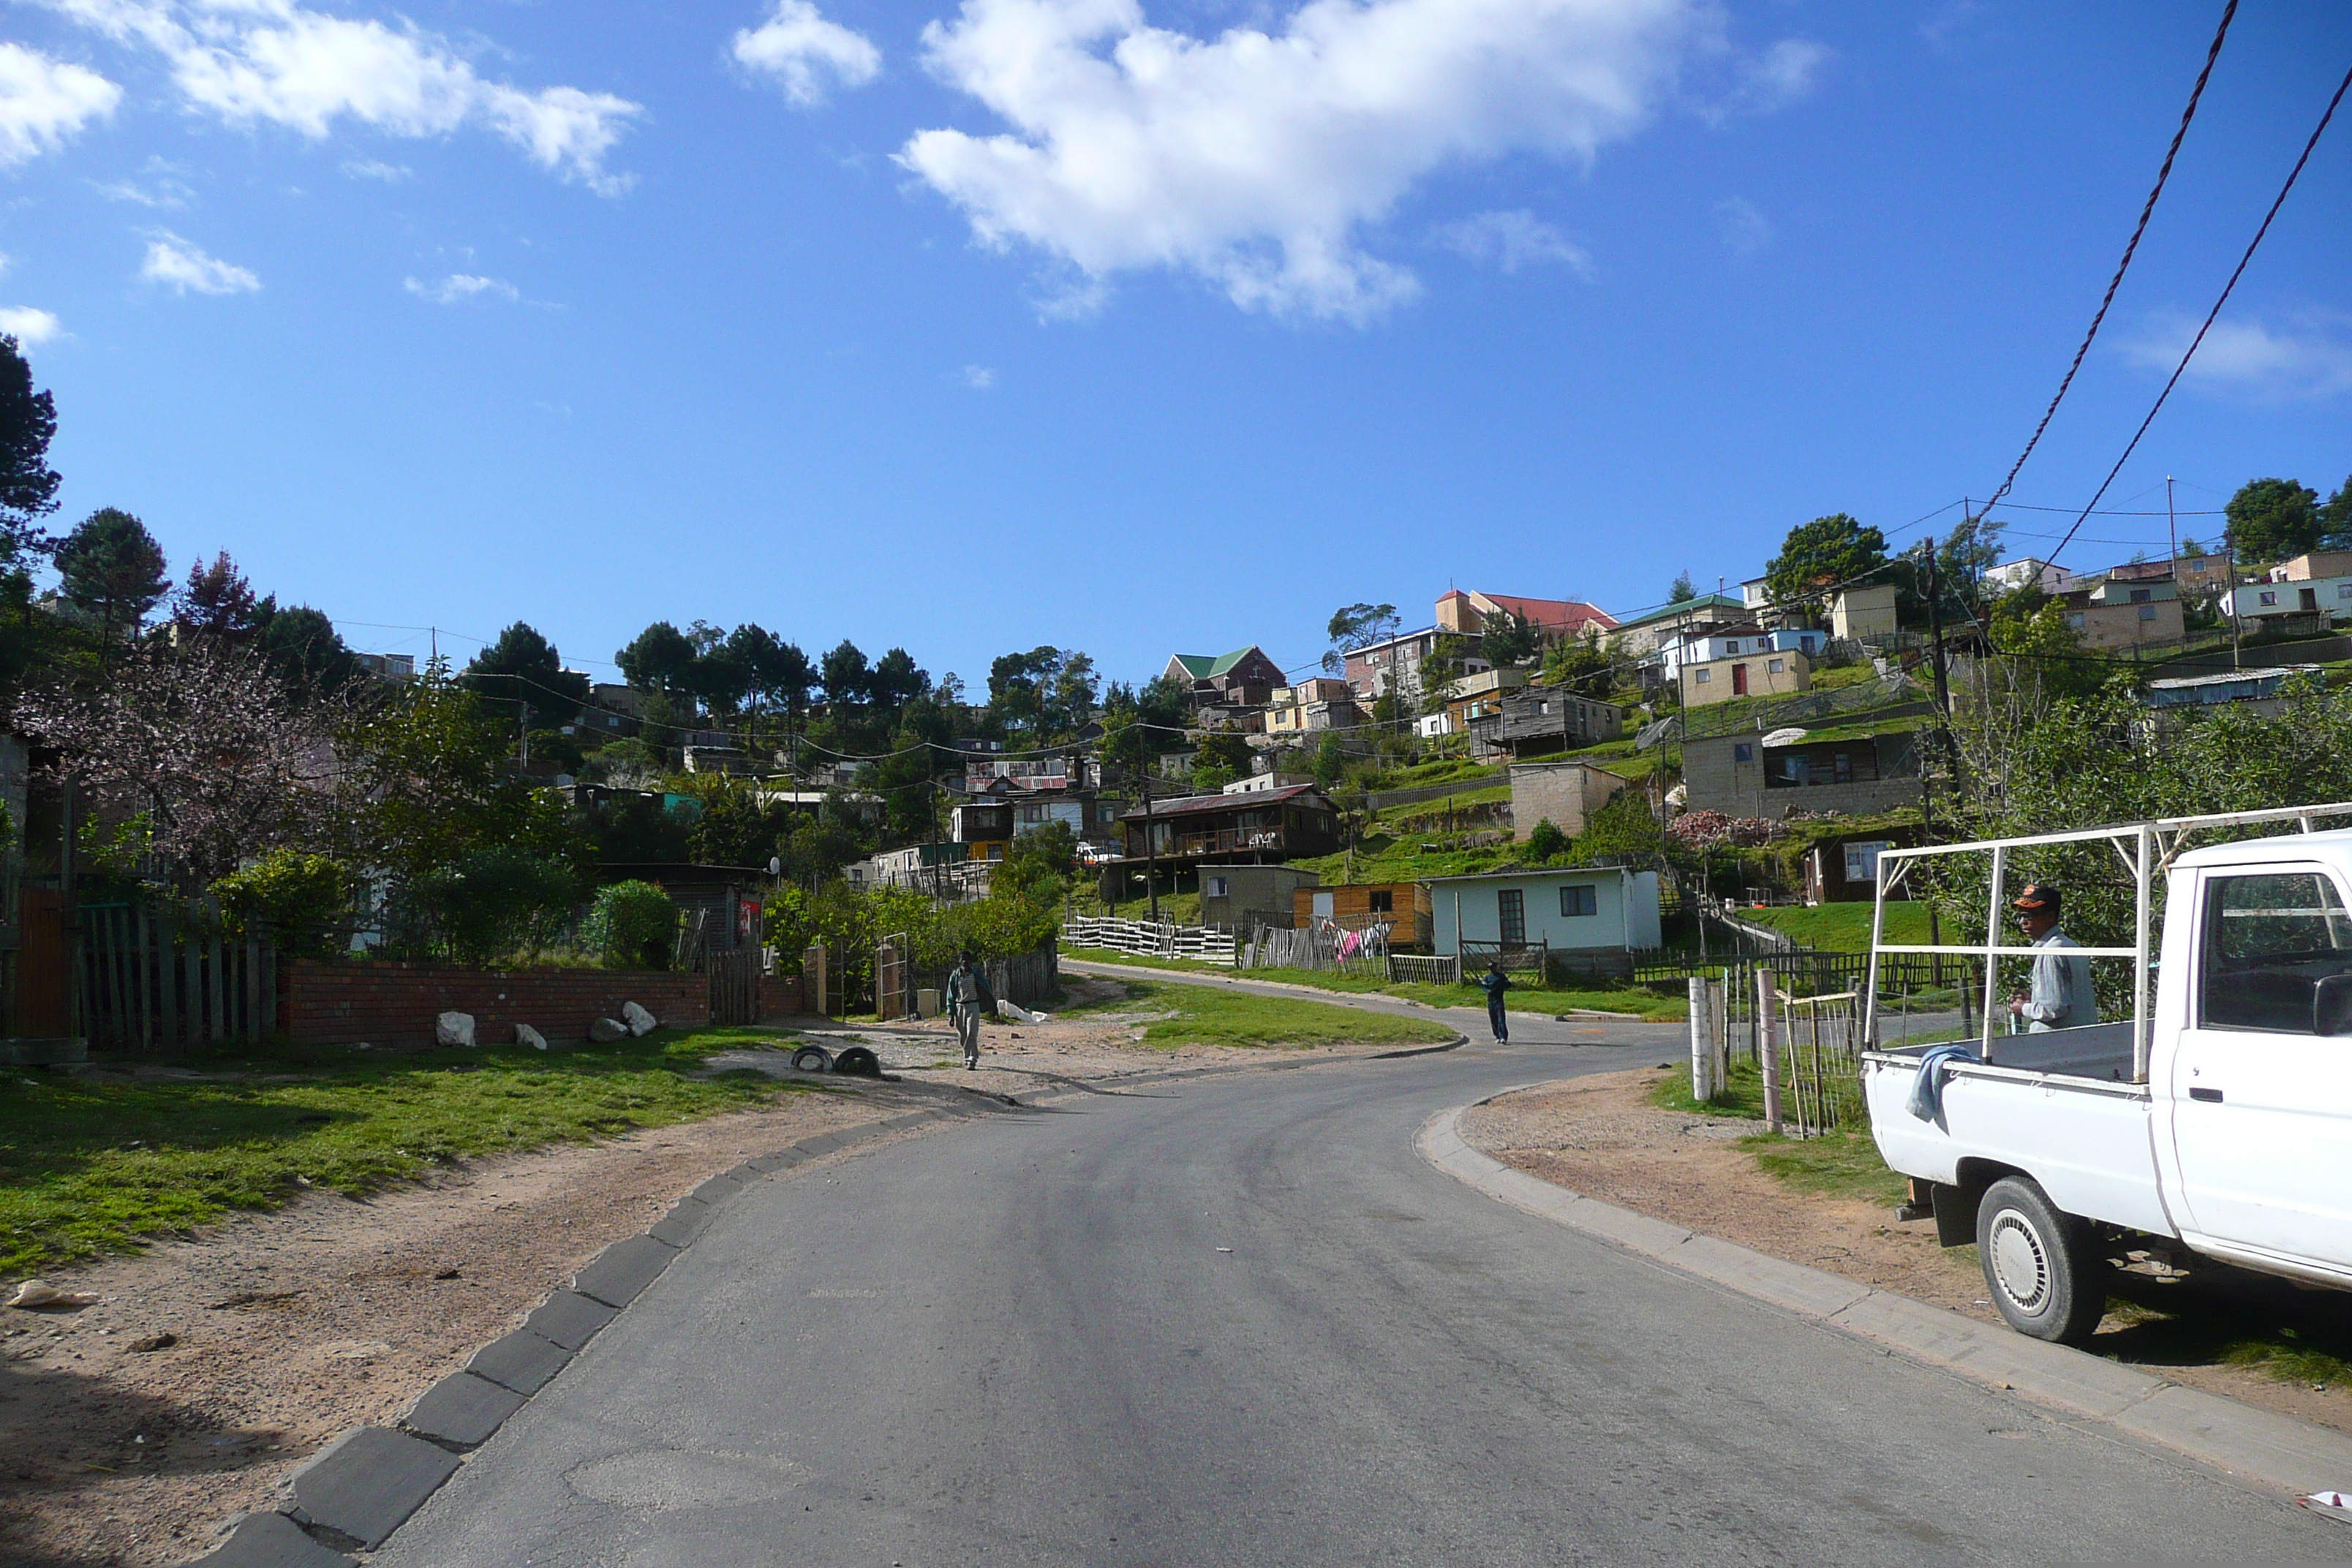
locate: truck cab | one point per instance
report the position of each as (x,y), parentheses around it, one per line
(2210,1106)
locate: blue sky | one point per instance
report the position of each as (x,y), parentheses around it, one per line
(1136,327)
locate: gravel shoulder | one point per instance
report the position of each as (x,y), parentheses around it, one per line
(1599,1136)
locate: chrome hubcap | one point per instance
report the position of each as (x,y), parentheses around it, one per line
(2019,1264)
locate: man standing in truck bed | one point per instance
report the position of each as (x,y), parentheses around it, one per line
(2062,996)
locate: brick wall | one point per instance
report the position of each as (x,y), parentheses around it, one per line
(395,1004)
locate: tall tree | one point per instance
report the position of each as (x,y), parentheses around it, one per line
(1510,639)
(1357,626)
(109,564)
(2335,519)
(895,681)
(2273,519)
(1816,555)
(28,486)
(1681,593)
(660,658)
(304,646)
(1020,686)
(217,600)
(847,677)
(523,668)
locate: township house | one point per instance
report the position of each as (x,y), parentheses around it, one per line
(1638,637)
(1765,672)
(1601,915)
(1811,755)
(2316,586)
(1251,828)
(1540,719)
(1244,678)
(1307,706)
(2123,608)
(1565,795)
(1404,907)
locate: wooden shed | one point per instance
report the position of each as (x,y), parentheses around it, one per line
(1405,906)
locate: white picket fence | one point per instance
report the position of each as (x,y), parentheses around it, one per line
(1148,939)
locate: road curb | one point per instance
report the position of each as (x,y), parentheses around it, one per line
(2277,1452)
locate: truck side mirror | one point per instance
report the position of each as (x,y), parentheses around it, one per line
(2331,1006)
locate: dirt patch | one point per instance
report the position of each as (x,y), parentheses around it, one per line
(1601,1137)
(1095,1046)
(276,1332)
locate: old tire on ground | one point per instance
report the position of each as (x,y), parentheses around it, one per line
(858,1062)
(811,1059)
(2041,1266)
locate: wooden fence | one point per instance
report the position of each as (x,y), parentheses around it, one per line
(734,986)
(1145,939)
(1326,946)
(159,981)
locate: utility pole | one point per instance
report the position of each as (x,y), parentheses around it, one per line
(1151,850)
(526,737)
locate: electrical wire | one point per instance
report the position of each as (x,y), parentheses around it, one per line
(2146,211)
(2238,271)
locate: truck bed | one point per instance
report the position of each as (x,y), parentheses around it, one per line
(2058,1106)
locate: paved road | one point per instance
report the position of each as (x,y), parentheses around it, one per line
(1237,1322)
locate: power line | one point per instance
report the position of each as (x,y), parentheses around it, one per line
(2146,211)
(2238,271)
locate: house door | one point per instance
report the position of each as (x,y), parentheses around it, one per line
(1739,681)
(2307,599)
(1511,916)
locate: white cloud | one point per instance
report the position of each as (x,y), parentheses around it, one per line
(163,189)
(274,61)
(461,287)
(181,267)
(978,378)
(376,169)
(2310,357)
(802,49)
(1510,240)
(1253,159)
(28,326)
(45,102)
(1782,75)
(1746,230)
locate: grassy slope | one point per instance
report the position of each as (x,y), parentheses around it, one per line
(1214,1016)
(1523,998)
(1844,928)
(89,1165)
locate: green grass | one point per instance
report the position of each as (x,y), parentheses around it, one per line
(1648,1005)
(1841,1164)
(92,1165)
(1446,769)
(1209,1015)
(1843,927)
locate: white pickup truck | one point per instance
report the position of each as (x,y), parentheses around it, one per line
(2215,1111)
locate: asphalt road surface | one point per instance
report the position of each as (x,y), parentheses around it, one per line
(1237,1321)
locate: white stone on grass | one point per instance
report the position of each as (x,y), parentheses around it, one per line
(640,1022)
(454,1029)
(527,1036)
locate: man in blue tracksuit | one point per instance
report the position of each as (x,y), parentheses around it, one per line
(1494,984)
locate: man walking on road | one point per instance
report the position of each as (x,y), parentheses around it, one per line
(967,994)
(1493,983)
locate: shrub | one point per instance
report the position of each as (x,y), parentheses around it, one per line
(302,902)
(1545,840)
(491,902)
(633,925)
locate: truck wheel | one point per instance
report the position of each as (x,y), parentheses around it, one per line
(2044,1274)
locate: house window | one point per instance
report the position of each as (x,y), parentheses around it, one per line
(1862,861)
(1706,675)
(1743,751)
(1778,665)
(2344,590)
(1583,899)
(1511,916)
(2142,596)
(2269,599)
(2075,620)
(1382,900)
(1216,888)
(2148,611)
